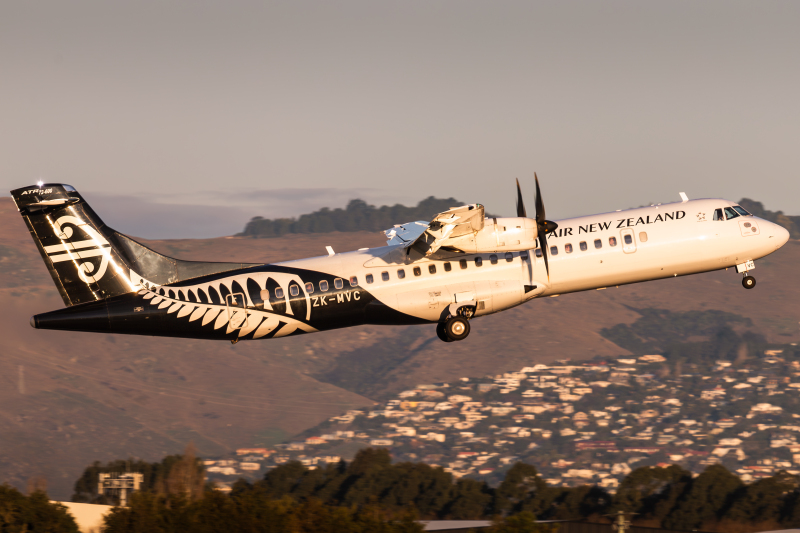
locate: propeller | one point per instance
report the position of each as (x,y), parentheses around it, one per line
(543,226)
(520,203)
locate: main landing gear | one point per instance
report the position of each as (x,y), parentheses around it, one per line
(748,282)
(455,328)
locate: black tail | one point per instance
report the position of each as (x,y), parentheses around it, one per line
(88,260)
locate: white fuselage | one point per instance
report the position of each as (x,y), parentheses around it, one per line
(608,249)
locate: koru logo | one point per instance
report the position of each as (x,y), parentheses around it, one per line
(79,251)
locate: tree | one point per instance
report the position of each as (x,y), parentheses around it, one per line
(470,500)
(642,489)
(20,513)
(522,482)
(704,499)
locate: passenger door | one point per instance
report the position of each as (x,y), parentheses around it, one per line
(237,314)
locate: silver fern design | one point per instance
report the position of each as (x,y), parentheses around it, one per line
(246,321)
(246,311)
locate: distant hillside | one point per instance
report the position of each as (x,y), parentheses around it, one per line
(357,216)
(792,223)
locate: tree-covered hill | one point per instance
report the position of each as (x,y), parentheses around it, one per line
(357,216)
(360,216)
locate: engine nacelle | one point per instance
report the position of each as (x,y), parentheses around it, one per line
(498,235)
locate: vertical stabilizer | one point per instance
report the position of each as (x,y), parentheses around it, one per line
(83,264)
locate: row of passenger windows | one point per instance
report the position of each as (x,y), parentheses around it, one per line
(324,285)
(598,243)
(338,283)
(401,273)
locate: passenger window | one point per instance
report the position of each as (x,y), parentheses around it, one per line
(583,246)
(310,288)
(338,283)
(401,273)
(509,257)
(598,243)
(643,237)
(294,290)
(354,281)
(478,261)
(385,276)
(741,210)
(612,241)
(628,239)
(718,214)
(730,213)
(417,271)
(323,285)
(568,248)
(432,269)
(463,263)
(538,252)
(493,259)
(447,267)
(554,250)
(370,279)
(278,293)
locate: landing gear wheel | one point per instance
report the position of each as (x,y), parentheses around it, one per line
(748,282)
(456,328)
(441,333)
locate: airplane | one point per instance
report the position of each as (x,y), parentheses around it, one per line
(448,271)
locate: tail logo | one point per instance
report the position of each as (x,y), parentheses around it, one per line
(80,251)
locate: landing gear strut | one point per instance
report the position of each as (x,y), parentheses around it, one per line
(748,282)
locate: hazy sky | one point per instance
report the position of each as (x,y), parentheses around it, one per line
(152,108)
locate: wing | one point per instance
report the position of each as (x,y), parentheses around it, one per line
(446,229)
(406,233)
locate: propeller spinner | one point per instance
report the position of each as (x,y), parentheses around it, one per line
(543,226)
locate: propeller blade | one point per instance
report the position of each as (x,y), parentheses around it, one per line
(542,239)
(540,216)
(520,203)
(543,226)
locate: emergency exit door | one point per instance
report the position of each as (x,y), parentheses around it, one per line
(628,241)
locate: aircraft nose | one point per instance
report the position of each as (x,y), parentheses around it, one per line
(780,233)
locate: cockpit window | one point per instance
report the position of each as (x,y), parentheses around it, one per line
(718,214)
(730,213)
(741,210)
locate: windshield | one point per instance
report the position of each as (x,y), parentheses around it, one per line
(730,213)
(741,210)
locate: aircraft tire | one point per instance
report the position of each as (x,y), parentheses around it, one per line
(456,328)
(441,333)
(748,282)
